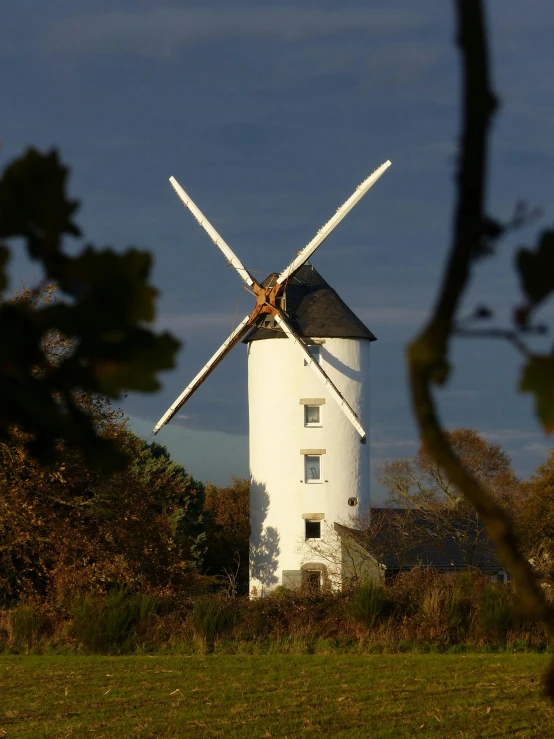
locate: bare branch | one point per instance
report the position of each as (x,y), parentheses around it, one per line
(428,353)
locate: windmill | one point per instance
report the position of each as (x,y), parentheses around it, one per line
(289,428)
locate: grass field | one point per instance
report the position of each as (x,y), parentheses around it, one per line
(390,695)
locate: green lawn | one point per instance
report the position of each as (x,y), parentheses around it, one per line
(392,695)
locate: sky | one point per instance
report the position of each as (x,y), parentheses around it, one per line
(270,114)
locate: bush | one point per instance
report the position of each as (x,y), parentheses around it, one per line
(212,617)
(112,624)
(495,613)
(421,609)
(368,603)
(408,590)
(24,625)
(458,602)
(432,604)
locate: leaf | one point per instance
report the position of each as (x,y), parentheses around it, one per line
(538,378)
(95,276)
(147,355)
(4,258)
(104,343)
(33,203)
(536,268)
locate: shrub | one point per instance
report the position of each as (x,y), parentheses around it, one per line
(24,625)
(368,603)
(408,590)
(495,613)
(456,611)
(212,617)
(112,624)
(458,601)
(433,603)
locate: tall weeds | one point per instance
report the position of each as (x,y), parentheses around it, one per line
(368,603)
(495,611)
(111,624)
(212,617)
(421,610)
(23,627)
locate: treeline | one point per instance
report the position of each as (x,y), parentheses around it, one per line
(68,530)
(136,551)
(426,521)
(438,518)
(422,610)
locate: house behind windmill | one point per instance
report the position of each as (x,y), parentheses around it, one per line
(397,540)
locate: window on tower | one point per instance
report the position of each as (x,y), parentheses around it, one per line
(313,529)
(312,415)
(312,467)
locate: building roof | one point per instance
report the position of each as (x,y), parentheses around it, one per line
(404,538)
(314,310)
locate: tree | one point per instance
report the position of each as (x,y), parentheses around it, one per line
(351,551)
(436,513)
(474,236)
(535,520)
(434,516)
(421,483)
(228,531)
(103,306)
(67,528)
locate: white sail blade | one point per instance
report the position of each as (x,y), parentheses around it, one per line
(243,328)
(323,232)
(212,233)
(323,376)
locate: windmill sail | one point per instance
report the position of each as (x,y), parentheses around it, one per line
(324,377)
(218,240)
(323,232)
(268,296)
(240,332)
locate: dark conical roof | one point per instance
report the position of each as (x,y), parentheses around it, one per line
(314,310)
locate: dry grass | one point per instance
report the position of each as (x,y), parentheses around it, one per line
(378,696)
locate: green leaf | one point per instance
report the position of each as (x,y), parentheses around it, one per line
(149,354)
(538,378)
(536,268)
(33,204)
(104,344)
(113,281)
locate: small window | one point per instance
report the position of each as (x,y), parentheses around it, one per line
(312,467)
(315,351)
(268,322)
(312,415)
(313,529)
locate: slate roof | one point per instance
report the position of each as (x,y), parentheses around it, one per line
(314,310)
(430,546)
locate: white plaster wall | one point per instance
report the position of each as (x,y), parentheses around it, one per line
(277,380)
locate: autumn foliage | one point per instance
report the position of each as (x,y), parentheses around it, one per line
(67,529)
(228,530)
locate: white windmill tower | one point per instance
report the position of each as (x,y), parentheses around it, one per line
(308,399)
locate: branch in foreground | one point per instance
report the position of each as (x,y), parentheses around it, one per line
(427,355)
